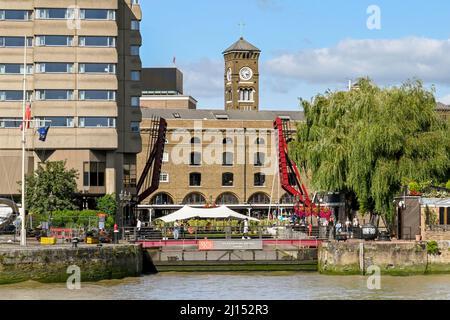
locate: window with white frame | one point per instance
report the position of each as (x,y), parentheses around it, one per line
(9,123)
(97,14)
(54,41)
(164,177)
(16,15)
(55,13)
(15,68)
(96,122)
(107,95)
(97,68)
(15,42)
(54,67)
(14,95)
(246,95)
(56,122)
(96,41)
(165,158)
(54,94)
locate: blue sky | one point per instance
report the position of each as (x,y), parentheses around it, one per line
(307,46)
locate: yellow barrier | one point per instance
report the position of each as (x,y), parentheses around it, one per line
(90,240)
(48,241)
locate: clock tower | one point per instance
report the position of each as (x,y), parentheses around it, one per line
(242,76)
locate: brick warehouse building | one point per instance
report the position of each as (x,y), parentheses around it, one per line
(83,75)
(217,157)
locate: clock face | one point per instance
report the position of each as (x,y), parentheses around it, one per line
(229,74)
(246,73)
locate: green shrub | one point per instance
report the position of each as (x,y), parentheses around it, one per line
(414,187)
(447,185)
(433,248)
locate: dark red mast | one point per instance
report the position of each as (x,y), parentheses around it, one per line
(290,177)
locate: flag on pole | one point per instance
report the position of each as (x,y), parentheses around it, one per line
(28,117)
(43,133)
(174,60)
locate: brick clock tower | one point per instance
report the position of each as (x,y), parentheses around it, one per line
(242,76)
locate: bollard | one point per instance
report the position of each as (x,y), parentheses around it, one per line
(75,243)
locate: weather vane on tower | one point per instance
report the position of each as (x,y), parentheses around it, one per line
(242,27)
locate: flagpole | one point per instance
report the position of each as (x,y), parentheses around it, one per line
(23,235)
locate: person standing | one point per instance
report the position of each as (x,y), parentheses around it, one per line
(176,230)
(138,225)
(245,229)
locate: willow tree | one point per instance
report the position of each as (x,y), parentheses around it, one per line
(369,140)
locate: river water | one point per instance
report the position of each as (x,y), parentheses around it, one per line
(238,286)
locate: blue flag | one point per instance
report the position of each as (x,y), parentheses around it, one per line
(43,133)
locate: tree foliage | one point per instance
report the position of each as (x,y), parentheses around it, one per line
(107,204)
(370,140)
(51,188)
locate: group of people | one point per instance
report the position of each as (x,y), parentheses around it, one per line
(348,227)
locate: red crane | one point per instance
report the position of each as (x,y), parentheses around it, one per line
(290,178)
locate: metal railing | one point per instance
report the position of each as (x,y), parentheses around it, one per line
(227,232)
(439,228)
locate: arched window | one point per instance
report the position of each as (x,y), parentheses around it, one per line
(246,95)
(260,141)
(241,95)
(228,141)
(259,179)
(162,199)
(259,198)
(196,140)
(195,159)
(227,159)
(195,179)
(227,198)
(287,199)
(194,198)
(252,92)
(260,159)
(227,179)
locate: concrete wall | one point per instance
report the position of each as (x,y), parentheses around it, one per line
(401,258)
(50,264)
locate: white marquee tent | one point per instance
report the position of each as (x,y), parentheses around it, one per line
(187,213)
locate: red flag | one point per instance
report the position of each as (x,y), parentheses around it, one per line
(27,117)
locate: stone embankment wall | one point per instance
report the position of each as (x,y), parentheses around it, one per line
(50,264)
(393,258)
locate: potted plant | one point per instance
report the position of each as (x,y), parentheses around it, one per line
(419,234)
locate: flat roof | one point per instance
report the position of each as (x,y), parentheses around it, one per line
(209,114)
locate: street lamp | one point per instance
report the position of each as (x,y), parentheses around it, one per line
(125,198)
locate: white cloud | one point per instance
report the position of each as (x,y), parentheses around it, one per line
(385,61)
(445,99)
(203,78)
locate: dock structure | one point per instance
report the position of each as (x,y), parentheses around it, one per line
(233,255)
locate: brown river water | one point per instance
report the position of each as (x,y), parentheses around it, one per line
(239,286)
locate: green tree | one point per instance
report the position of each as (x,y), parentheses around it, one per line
(50,188)
(369,140)
(107,204)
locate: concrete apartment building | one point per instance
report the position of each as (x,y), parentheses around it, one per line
(84,75)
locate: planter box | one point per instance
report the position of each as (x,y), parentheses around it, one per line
(48,241)
(90,240)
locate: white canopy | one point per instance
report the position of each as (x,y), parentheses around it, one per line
(187,213)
